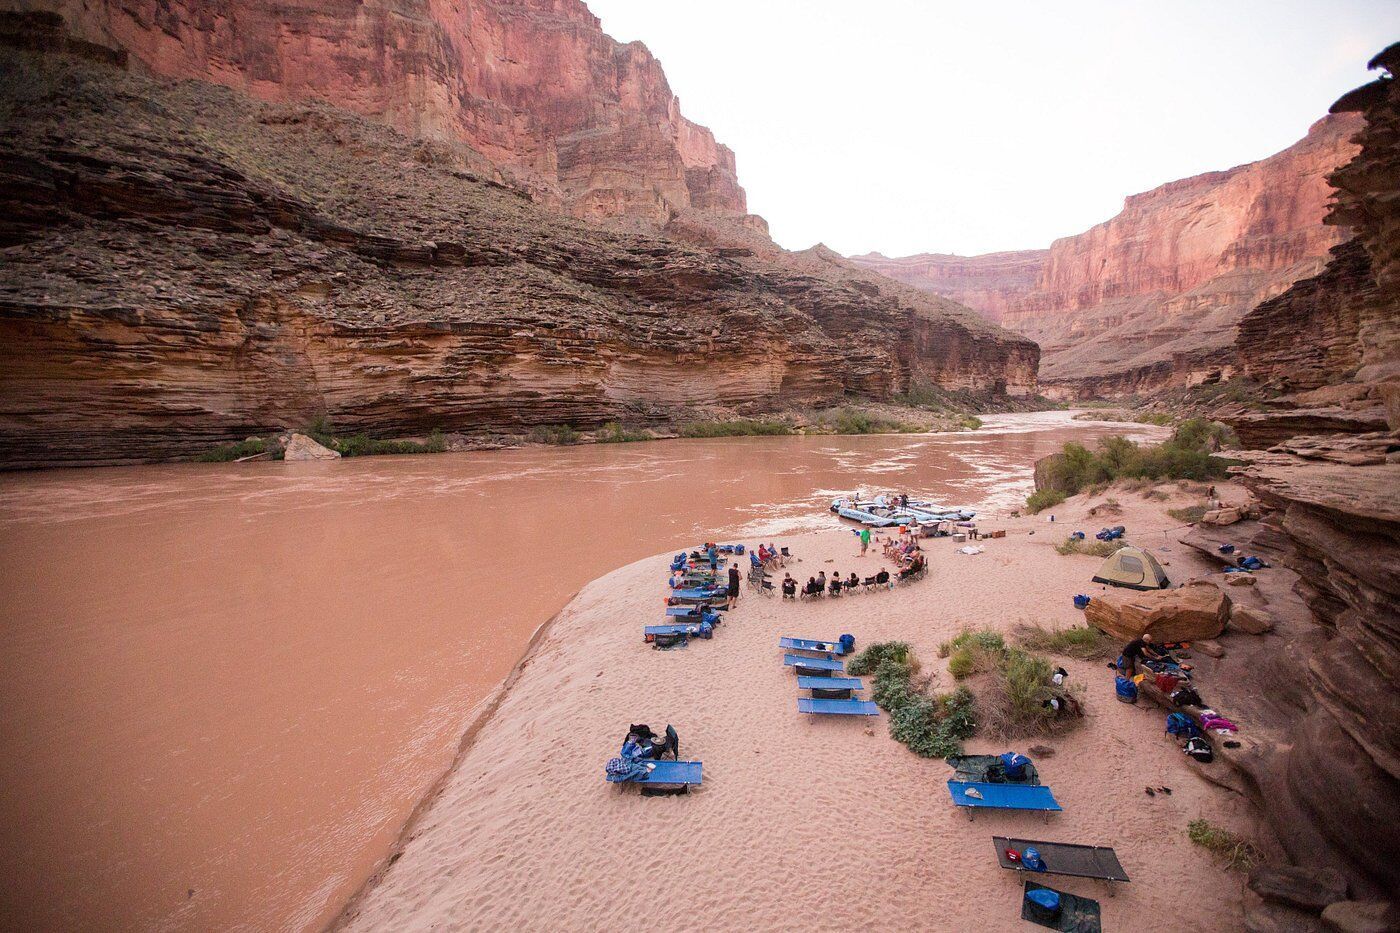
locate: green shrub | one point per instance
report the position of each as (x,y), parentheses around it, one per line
(614,433)
(1191,514)
(876,654)
(1079,641)
(1092,548)
(230,452)
(741,428)
(1043,499)
(969,422)
(932,725)
(556,434)
(962,664)
(1238,852)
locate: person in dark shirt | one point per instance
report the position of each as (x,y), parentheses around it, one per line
(789,586)
(834,587)
(1137,650)
(733,593)
(883,577)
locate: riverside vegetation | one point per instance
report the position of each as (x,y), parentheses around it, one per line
(320,431)
(1187,454)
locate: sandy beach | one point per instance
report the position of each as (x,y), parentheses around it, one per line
(802,822)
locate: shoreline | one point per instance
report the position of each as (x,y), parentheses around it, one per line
(598,603)
(482,716)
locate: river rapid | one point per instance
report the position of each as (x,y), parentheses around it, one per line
(226,686)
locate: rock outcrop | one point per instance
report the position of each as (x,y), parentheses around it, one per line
(534,86)
(1331,792)
(1197,610)
(1151,297)
(184,265)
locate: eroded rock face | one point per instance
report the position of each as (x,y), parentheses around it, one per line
(1189,613)
(185,266)
(1151,297)
(534,86)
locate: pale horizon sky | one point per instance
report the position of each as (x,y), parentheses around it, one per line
(911,126)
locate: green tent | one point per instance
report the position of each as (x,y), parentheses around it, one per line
(1134,568)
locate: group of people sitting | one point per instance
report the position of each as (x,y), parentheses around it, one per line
(819,586)
(770,556)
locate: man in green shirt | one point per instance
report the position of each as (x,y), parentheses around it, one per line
(864,540)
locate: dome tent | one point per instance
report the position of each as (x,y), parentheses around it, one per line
(1133,568)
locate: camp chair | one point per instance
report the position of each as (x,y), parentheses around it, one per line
(813,667)
(676,777)
(868,584)
(847,707)
(981,796)
(826,648)
(1064,858)
(1077,914)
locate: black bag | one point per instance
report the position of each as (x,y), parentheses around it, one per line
(1200,750)
(1187,696)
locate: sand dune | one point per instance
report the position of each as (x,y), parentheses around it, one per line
(802,823)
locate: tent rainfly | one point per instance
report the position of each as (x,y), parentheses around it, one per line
(1133,568)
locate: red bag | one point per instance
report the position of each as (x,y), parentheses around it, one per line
(1167,682)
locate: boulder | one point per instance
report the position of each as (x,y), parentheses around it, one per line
(1227,516)
(1250,621)
(1261,916)
(1239,579)
(1192,612)
(1209,647)
(1362,917)
(301,447)
(1309,889)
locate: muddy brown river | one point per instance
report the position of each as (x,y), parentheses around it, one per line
(225,687)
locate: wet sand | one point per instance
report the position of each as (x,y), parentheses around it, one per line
(227,686)
(802,823)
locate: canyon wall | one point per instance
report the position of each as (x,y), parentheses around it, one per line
(185,265)
(1330,497)
(1151,297)
(992,282)
(583,122)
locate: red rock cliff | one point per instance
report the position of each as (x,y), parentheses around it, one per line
(1152,296)
(535,86)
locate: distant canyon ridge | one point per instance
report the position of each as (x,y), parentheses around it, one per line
(1152,297)
(223,218)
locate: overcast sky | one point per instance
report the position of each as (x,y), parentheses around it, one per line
(909,126)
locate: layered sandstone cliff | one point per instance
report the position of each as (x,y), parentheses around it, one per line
(184,265)
(1333,341)
(1151,297)
(534,86)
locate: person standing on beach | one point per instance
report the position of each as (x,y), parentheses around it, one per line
(712,553)
(864,540)
(733,588)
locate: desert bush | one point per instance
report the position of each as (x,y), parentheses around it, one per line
(1187,454)
(1043,499)
(931,725)
(1092,548)
(557,434)
(1238,852)
(874,655)
(1191,514)
(1079,641)
(741,428)
(248,448)
(614,433)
